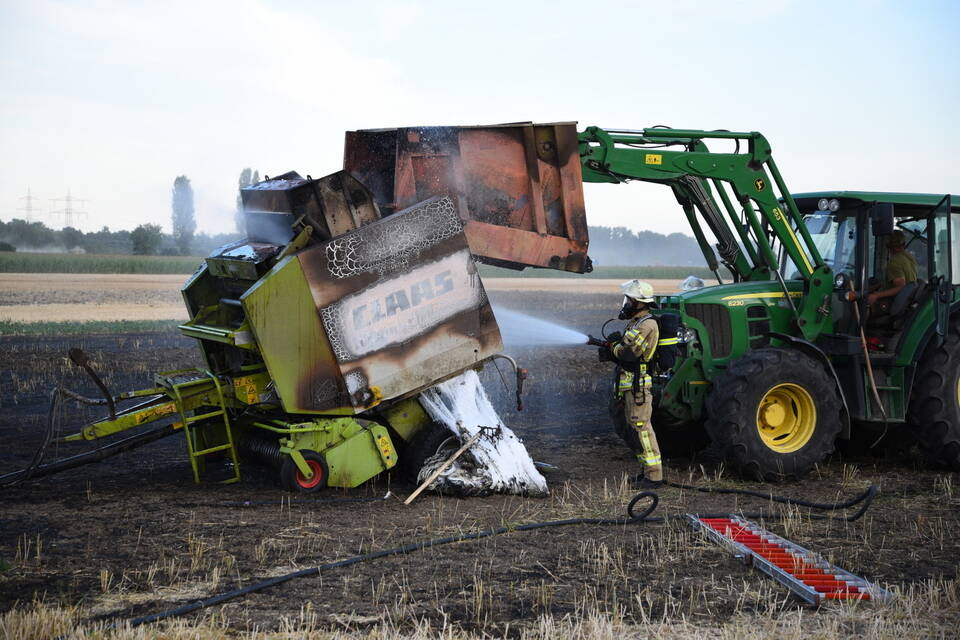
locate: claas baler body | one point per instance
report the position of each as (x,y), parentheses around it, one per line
(321,327)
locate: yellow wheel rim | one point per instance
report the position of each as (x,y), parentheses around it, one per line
(787,417)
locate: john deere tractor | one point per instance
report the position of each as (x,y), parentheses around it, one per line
(787,356)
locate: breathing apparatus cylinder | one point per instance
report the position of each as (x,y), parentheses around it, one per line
(667,344)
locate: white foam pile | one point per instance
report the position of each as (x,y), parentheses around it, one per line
(497,463)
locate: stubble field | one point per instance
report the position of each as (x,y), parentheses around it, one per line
(133,535)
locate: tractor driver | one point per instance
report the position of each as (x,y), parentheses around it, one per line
(633,352)
(901,269)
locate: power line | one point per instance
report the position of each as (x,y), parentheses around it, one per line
(68,212)
(28,209)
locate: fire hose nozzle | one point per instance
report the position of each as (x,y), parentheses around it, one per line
(597,342)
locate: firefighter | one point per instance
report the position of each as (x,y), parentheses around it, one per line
(634,352)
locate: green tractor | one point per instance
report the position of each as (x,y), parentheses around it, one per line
(790,356)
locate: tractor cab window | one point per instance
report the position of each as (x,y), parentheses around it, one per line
(915,237)
(835,235)
(909,267)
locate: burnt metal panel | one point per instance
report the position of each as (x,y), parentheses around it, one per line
(401,305)
(518,187)
(333,205)
(292,342)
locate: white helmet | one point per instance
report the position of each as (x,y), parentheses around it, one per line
(638,290)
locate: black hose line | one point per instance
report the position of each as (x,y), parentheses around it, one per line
(405,549)
(31,470)
(96,455)
(866,498)
(288,501)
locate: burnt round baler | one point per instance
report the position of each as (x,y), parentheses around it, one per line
(321,328)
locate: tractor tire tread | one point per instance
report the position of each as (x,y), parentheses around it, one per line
(731,414)
(934,409)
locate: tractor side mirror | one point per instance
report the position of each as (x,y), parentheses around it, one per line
(882,218)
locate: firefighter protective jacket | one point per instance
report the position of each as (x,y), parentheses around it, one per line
(640,340)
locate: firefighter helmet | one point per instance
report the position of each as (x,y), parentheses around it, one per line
(638,290)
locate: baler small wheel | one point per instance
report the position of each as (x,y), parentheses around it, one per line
(294,480)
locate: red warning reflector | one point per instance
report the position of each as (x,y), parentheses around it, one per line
(802,571)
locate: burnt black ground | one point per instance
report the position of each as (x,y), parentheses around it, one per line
(139,525)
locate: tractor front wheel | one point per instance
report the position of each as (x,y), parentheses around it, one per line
(934,409)
(294,480)
(774,413)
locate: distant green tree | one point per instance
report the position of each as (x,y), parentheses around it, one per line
(247,177)
(107,241)
(184,220)
(29,234)
(71,237)
(146,239)
(6,246)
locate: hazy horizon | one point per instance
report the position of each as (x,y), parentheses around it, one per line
(112,101)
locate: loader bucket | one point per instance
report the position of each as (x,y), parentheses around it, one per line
(517,187)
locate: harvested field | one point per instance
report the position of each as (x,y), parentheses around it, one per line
(38,297)
(52,297)
(133,535)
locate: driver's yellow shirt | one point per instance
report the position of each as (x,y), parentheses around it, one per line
(902,265)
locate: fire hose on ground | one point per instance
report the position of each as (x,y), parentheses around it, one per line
(644,515)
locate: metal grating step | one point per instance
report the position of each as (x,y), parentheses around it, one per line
(802,571)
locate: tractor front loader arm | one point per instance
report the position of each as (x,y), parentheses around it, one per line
(680,159)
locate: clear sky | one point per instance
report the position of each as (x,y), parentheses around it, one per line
(113,100)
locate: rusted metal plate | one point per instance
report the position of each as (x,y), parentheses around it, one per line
(401,306)
(518,187)
(333,205)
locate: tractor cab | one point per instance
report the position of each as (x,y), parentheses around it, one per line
(891,258)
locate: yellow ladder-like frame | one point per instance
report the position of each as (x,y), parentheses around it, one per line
(174,389)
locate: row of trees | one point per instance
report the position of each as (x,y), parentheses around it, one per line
(619,246)
(616,246)
(609,246)
(147,239)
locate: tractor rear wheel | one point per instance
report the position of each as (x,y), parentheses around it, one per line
(774,413)
(934,409)
(294,480)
